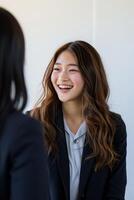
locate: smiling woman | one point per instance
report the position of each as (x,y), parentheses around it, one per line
(86,142)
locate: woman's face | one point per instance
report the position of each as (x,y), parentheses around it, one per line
(66,77)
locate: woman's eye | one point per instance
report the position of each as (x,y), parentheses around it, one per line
(56,69)
(73,70)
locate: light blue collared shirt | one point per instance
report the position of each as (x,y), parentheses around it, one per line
(75,144)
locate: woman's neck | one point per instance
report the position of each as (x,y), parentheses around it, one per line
(73,115)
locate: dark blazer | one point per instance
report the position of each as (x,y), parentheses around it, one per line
(23,163)
(101,185)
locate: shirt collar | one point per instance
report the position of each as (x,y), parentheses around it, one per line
(80,132)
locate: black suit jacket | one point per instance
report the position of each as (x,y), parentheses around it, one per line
(101,185)
(23,162)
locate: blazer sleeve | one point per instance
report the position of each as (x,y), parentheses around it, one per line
(29,172)
(117,181)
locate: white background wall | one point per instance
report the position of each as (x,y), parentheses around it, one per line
(107,24)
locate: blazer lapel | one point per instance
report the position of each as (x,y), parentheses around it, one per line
(62,159)
(86,168)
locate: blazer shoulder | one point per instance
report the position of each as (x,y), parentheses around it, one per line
(120,129)
(18,124)
(117,118)
(20,119)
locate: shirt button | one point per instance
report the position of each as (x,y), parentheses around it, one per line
(76,141)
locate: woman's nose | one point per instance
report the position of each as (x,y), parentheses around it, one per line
(63,76)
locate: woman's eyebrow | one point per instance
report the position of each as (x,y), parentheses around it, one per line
(57,63)
(70,64)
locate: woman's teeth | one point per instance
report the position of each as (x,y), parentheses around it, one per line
(65,86)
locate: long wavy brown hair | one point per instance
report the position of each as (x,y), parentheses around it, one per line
(100,123)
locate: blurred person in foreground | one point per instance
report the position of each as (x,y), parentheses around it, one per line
(23,161)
